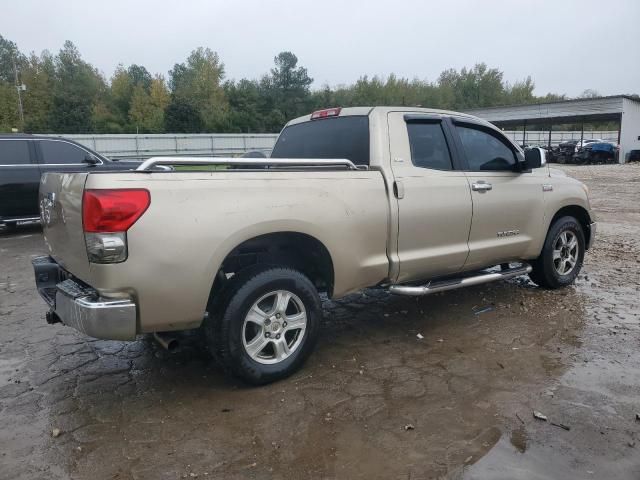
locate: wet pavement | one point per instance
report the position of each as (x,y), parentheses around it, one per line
(373,401)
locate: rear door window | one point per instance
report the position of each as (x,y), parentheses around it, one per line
(14,152)
(61,153)
(330,138)
(429,147)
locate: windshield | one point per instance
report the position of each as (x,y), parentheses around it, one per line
(335,138)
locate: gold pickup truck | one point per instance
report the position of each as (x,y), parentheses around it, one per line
(412,200)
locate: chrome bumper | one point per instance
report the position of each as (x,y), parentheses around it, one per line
(592,234)
(81,307)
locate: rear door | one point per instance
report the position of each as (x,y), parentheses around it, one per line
(434,202)
(19,179)
(59,155)
(508,204)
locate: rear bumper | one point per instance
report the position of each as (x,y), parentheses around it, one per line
(81,307)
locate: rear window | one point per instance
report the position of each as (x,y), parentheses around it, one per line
(338,137)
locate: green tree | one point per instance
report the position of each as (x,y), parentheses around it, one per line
(471,88)
(286,91)
(104,119)
(182,117)
(140,109)
(77,85)
(10,60)
(198,83)
(9,55)
(244,107)
(478,87)
(147,108)
(66,94)
(120,93)
(125,82)
(38,74)
(140,76)
(520,92)
(9,118)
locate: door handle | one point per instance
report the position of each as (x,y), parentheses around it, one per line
(398,189)
(481,186)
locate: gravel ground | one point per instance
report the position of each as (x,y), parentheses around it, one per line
(374,400)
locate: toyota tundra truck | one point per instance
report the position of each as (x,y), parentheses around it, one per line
(411,200)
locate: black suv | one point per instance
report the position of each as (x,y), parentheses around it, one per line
(23,160)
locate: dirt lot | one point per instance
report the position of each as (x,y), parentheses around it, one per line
(374,401)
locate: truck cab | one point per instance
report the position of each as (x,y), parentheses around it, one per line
(462,195)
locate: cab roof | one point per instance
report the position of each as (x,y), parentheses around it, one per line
(384,110)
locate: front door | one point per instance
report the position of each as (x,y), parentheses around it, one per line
(508,205)
(434,201)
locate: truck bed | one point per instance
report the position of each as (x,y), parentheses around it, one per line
(196,218)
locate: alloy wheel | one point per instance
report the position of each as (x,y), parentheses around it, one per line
(274,327)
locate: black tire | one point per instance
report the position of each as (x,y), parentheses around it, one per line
(545,271)
(225,325)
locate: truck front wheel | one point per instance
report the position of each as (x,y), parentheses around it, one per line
(265,325)
(562,255)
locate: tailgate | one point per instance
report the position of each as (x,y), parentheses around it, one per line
(61,214)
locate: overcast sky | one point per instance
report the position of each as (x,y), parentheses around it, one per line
(566,46)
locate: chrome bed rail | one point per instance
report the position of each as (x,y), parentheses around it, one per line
(148,164)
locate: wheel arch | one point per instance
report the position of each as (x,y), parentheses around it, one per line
(300,251)
(579,213)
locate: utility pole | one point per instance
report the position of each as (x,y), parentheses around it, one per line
(20,87)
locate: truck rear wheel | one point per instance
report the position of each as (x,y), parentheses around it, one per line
(265,325)
(562,255)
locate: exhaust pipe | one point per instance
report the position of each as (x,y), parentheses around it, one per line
(167,341)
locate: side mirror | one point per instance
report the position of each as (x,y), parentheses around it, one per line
(534,157)
(90,159)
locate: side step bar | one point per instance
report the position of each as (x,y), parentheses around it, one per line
(453,284)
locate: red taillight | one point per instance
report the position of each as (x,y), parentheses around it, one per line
(327,112)
(113,210)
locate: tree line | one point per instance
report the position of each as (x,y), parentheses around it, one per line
(65,94)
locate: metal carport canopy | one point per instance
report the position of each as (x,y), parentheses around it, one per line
(566,111)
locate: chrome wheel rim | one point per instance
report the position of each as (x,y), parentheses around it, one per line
(565,252)
(274,327)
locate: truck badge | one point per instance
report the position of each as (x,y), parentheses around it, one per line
(508,233)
